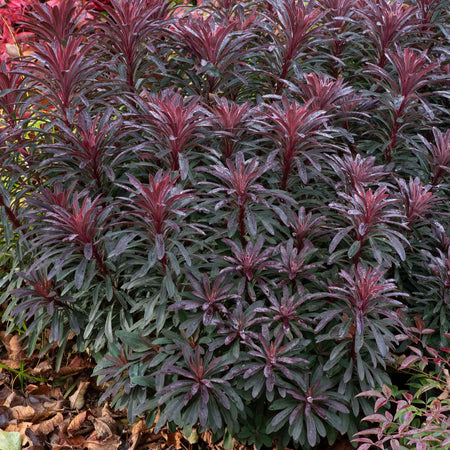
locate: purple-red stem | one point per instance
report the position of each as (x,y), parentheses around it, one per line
(394,132)
(99,260)
(437,176)
(241,222)
(284,70)
(353,350)
(336,69)
(287,166)
(358,253)
(9,213)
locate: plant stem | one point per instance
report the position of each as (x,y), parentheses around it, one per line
(22,374)
(9,213)
(241,223)
(287,166)
(393,137)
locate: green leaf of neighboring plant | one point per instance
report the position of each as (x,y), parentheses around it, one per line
(10,440)
(227,441)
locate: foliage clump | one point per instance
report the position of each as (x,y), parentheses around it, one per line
(237,207)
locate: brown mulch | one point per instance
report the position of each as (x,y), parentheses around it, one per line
(59,410)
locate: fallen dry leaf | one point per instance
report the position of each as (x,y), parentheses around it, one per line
(154,446)
(78,421)
(77,398)
(207,437)
(43,414)
(23,413)
(149,440)
(4,394)
(13,347)
(4,377)
(43,390)
(111,443)
(102,428)
(173,439)
(109,418)
(5,416)
(10,399)
(55,405)
(33,388)
(136,432)
(43,369)
(36,440)
(76,365)
(11,363)
(105,425)
(48,426)
(61,441)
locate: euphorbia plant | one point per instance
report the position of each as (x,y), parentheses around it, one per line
(372,219)
(233,206)
(413,72)
(294,129)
